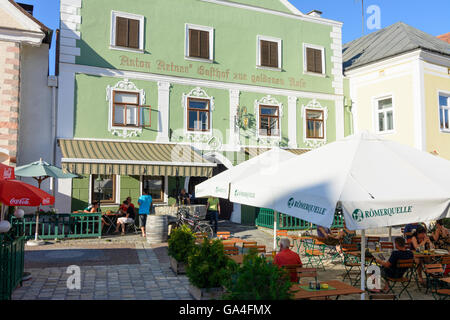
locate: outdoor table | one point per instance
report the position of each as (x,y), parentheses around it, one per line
(111,218)
(435,258)
(339,289)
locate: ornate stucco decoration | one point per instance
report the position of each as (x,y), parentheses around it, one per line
(128,86)
(315,143)
(197,136)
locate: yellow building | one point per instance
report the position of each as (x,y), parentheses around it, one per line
(399,82)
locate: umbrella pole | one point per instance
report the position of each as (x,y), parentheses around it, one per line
(390,234)
(363,261)
(37,225)
(275,220)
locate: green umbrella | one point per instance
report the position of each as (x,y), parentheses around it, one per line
(41,170)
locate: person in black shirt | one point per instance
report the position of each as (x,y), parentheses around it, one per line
(129,217)
(183,198)
(389,268)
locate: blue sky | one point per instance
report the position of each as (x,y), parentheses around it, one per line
(431,16)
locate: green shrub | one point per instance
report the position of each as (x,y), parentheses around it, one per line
(208,266)
(257,279)
(181,243)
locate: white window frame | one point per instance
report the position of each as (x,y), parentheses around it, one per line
(189,26)
(376,113)
(123,86)
(445,94)
(305,61)
(260,38)
(197,93)
(314,105)
(271,102)
(114,15)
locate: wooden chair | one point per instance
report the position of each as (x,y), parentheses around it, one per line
(403,281)
(200,236)
(224,235)
(292,270)
(306,273)
(386,245)
(351,262)
(259,249)
(372,240)
(433,272)
(231,250)
(356,240)
(248,244)
(228,243)
(315,253)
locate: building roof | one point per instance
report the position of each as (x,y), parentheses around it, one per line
(391,41)
(445,37)
(48,32)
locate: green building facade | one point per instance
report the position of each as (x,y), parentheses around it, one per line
(221,81)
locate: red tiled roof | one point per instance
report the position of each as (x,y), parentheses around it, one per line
(445,37)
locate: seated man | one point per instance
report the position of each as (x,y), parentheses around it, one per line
(287,257)
(183,198)
(95,208)
(129,217)
(389,268)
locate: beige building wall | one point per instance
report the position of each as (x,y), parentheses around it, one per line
(437,80)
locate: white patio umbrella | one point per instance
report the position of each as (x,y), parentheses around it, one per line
(379,183)
(265,164)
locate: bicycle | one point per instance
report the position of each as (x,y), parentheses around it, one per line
(193,222)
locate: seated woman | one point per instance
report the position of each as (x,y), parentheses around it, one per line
(129,216)
(419,241)
(441,236)
(95,208)
(325,235)
(345,236)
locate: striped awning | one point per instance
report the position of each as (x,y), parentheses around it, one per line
(253,152)
(133,158)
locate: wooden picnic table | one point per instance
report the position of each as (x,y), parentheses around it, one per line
(341,289)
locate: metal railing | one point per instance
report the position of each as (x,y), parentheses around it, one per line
(266,219)
(60,226)
(11,263)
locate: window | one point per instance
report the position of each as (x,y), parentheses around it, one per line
(385,115)
(269,52)
(103,188)
(154,186)
(127,112)
(127,31)
(199,42)
(198,115)
(314,59)
(314,124)
(269,124)
(444,112)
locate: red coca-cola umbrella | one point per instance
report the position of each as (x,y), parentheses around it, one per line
(20,194)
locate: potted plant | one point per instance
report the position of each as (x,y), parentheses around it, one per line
(257,279)
(181,244)
(208,269)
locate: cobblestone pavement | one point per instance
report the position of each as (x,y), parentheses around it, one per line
(127,268)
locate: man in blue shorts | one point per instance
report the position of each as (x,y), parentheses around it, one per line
(145,202)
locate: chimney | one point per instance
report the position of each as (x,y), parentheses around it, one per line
(315,13)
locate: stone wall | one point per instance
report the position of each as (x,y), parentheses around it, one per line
(9,97)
